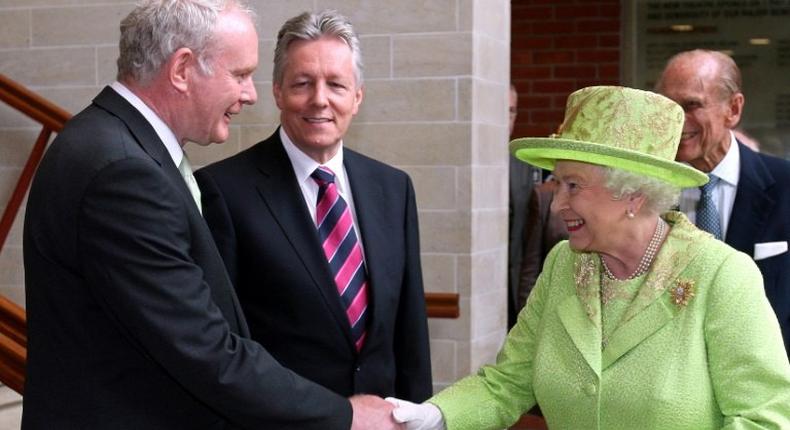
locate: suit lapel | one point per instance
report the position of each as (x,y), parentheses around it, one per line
(651,309)
(146,137)
(752,205)
(138,126)
(585,333)
(580,314)
(369,206)
(631,333)
(277,185)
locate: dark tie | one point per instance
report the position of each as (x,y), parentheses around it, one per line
(708,218)
(341,247)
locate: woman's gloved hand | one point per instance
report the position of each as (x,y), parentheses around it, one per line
(425,416)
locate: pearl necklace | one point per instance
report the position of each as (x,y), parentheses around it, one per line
(647,257)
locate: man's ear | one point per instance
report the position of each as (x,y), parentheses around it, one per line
(277,93)
(180,66)
(735,110)
(359,94)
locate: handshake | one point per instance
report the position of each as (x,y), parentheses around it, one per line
(371,412)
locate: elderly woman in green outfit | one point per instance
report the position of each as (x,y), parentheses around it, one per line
(639,320)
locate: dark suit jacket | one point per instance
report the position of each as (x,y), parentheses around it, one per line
(132,320)
(269,242)
(761,213)
(543,230)
(522,180)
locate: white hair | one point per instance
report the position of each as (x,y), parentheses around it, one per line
(660,196)
(155,29)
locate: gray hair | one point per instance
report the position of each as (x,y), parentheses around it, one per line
(728,79)
(155,29)
(660,196)
(314,26)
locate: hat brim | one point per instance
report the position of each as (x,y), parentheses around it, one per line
(544,152)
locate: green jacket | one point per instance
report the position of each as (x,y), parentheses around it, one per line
(698,348)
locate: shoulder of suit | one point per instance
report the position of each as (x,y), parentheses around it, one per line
(96,137)
(779,167)
(245,158)
(775,165)
(100,122)
(353,157)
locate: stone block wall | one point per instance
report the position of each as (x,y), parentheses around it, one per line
(436,80)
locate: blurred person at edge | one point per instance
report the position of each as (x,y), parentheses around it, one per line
(132,320)
(523,178)
(543,230)
(640,320)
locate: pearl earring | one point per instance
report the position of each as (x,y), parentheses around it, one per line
(629,214)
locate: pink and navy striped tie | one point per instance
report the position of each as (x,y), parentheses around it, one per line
(341,247)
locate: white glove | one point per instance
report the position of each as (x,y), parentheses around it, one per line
(425,416)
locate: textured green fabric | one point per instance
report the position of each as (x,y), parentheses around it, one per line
(619,127)
(716,362)
(616,296)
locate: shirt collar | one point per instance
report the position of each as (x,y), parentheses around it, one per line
(728,168)
(304,166)
(162,130)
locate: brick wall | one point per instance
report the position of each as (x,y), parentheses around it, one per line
(559,46)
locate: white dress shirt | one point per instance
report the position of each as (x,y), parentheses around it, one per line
(304,166)
(728,171)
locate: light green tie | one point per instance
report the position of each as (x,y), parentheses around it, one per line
(186,172)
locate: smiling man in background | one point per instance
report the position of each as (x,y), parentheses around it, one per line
(747,201)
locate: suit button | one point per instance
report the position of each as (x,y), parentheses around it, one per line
(590,389)
(357,369)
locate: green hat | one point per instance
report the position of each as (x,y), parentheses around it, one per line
(634,130)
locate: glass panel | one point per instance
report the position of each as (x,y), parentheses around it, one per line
(755,33)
